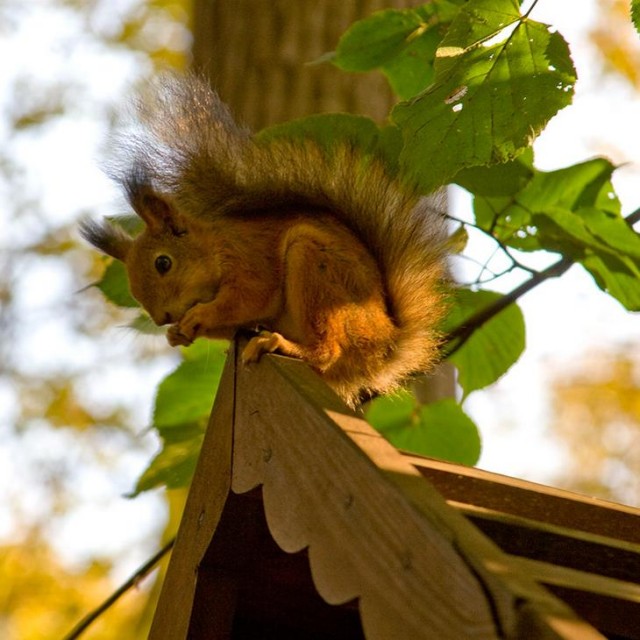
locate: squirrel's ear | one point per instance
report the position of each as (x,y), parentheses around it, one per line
(156,211)
(107,238)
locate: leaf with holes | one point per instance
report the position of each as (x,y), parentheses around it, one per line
(499,78)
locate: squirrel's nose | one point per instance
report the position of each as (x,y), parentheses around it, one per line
(161,319)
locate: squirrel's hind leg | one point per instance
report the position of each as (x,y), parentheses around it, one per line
(334,307)
(334,313)
(270,342)
(311,300)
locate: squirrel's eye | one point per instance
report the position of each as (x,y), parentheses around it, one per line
(163,264)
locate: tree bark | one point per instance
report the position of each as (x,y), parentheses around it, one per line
(259,55)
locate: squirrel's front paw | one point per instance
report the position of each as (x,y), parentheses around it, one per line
(188,328)
(176,338)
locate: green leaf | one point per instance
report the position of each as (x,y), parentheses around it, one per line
(499,79)
(635,14)
(510,218)
(411,71)
(374,41)
(617,276)
(402,43)
(571,187)
(129,222)
(458,240)
(564,231)
(493,347)
(450,433)
(612,230)
(183,404)
(114,284)
(329,129)
(439,430)
(387,35)
(392,412)
(173,467)
(142,323)
(503,179)
(186,395)
(602,242)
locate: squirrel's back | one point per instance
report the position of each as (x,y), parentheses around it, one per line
(189,147)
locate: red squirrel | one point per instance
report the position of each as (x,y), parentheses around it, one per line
(324,252)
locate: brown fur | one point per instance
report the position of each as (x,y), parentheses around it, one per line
(323,251)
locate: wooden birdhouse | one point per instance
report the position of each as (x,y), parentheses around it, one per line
(303,522)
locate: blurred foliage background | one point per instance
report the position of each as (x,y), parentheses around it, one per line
(76,386)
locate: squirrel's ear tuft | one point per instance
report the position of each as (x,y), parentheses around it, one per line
(107,238)
(155,209)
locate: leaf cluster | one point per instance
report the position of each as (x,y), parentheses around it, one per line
(478,81)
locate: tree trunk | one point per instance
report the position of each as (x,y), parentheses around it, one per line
(259,55)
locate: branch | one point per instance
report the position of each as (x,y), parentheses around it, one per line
(632,218)
(133,581)
(465,331)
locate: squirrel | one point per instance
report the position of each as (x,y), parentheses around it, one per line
(319,248)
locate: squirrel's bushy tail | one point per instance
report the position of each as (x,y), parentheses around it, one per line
(189,148)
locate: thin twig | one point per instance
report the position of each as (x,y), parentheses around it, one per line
(456,338)
(133,581)
(465,331)
(632,218)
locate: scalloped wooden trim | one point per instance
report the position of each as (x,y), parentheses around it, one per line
(374,528)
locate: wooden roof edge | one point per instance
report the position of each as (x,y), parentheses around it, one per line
(329,480)
(202,512)
(530,499)
(522,523)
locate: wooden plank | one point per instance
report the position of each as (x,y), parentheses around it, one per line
(530,500)
(617,619)
(611,605)
(558,545)
(551,574)
(203,509)
(228,561)
(330,482)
